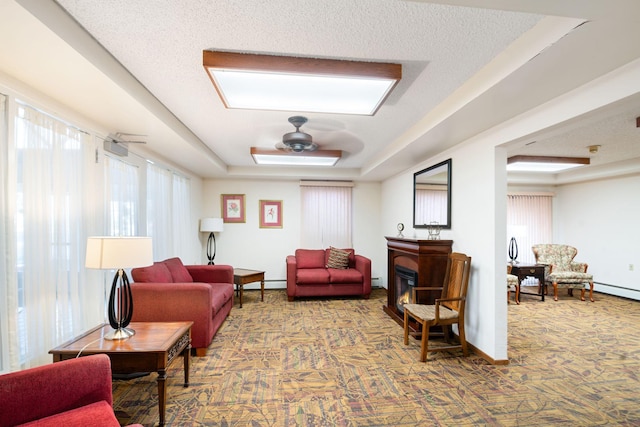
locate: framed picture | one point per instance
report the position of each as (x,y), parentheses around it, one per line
(270,213)
(233,208)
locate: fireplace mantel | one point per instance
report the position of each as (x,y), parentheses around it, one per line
(427,257)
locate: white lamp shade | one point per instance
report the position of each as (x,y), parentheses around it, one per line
(209,225)
(109,253)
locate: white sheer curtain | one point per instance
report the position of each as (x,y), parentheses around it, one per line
(48,198)
(168,212)
(159,188)
(529,220)
(181,207)
(7,260)
(431,205)
(326,216)
(122,192)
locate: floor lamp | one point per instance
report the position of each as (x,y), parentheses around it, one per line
(211,225)
(118,253)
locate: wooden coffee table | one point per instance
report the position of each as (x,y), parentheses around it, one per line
(242,276)
(152,349)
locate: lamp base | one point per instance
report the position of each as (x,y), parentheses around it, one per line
(210,256)
(120,334)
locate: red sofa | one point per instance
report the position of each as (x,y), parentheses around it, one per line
(74,392)
(169,291)
(309,276)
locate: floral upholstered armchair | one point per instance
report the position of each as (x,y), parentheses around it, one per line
(561,271)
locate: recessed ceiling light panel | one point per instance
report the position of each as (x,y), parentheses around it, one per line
(305,158)
(544,163)
(300,84)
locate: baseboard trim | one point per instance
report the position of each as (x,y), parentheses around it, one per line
(486,357)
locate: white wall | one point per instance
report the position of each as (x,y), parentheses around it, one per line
(246,245)
(367,230)
(601,219)
(478,221)
(194,256)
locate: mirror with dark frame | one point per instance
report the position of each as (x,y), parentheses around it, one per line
(432,196)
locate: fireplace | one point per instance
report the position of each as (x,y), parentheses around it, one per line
(424,261)
(406,280)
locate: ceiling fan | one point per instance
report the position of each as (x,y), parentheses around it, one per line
(297,141)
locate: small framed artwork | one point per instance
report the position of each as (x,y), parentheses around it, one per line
(270,213)
(233,208)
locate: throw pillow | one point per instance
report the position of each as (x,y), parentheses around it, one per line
(338,258)
(179,272)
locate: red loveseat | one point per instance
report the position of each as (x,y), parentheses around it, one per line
(309,276)
(71,393)
(169,291)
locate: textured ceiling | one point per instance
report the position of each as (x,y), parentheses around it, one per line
(152,51)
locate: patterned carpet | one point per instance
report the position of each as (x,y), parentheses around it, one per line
(341,362)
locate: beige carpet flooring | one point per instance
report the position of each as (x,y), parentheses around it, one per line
(342,362)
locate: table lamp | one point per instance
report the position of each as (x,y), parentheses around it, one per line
(118,253)
(211,225)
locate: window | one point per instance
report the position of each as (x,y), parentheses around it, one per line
(529,220)
(158,214)
(181,208)
(168,211)
(326,215)
(5,261)
(54,193)
(51,159)
(121,193)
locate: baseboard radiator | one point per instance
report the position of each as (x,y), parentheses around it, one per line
(620,291)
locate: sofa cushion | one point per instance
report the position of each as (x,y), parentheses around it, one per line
(310,258)
(312,276)
(94,414)
(178,271)
(349,275)
(156,273)
(337,258)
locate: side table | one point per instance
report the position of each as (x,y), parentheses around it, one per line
(523,271)
(152,349)
(242,276)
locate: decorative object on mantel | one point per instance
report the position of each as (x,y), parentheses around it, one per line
(118,253)
(211,225)
(513,250)
(400,229)
(434,230)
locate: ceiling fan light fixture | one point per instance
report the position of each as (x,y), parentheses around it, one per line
(281,83)
(306,158)
(544,163)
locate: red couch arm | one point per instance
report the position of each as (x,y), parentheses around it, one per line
(292,267)
(174,302)
(211,273)
(363,265)
(36,393)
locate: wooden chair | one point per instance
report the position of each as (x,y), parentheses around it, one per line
(447,310)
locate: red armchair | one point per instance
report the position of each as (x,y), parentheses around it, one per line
(74,392)
(169,291)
